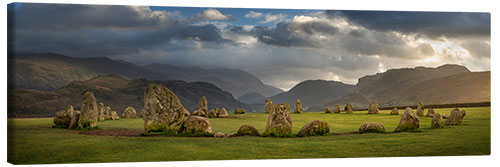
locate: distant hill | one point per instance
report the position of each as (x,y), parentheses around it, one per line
(236,81)
(50,71)
(117,92)
(252,98)
(314,92)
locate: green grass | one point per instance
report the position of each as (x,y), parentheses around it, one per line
(34,141)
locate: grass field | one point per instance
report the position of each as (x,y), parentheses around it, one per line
(34,141)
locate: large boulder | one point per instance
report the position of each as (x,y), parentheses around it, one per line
(129,112)
(298,106)
(372,128)
(62,118)
(200,113)
(373,109)
(268,105)
(239,111)
(163,111)
(328,110)
(222,113)
(197,125)
(455,117)
(348,108)
(336,109)
(247,130)
(314,128)
(89,114)
(74,119)
(212,113)
(279,121)
(420,109)
(409,121)
(107,113)
(437,121)
(100,109)
(203,105)
(430,112)
(114,115)
(394,111)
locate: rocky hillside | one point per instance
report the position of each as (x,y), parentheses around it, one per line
(116,91)
(252,98)
(237,82)
(314,92)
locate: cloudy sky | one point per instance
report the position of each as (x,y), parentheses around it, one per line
(281,47)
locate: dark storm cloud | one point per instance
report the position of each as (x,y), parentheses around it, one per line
(432,24)
(281,35)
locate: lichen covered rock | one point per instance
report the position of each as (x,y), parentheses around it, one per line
(420,109)
(348,108)
(100,109)
(327,110)
(268,105)
(74,119)
(455,117)
(219,134)
(430,112)
(62,118)
(437,121)
(199,113)
(114,115)
(409,121)
(373,109)
(212,113)
(279,121)
(222,113)
(239,111)
(163,111)
(247,130)
(203,105)
(336,109)
(89,114)
(314,128)
(197,125)
(107,113)
(372,128)
(394,111)
(298,106)
(129,112)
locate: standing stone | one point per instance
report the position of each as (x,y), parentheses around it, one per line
(455,117)
(140,114)
(373,109)
(88,116)
(100,108)
(239,111)
(372,128)
(107,113)
(420,109)
(298,106)
(437,121)
(114,115)
(74,119)
(62,118)
(268,105)
(348,108)
(409,121)
(279,121)
(196,124)
(336,109)
(212,113)
(430,112)
(200,113)
(129,112)
(203,105)
(163,111)
(247,130)
(222,113)
(394,111)
(314,128)
(327,110)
